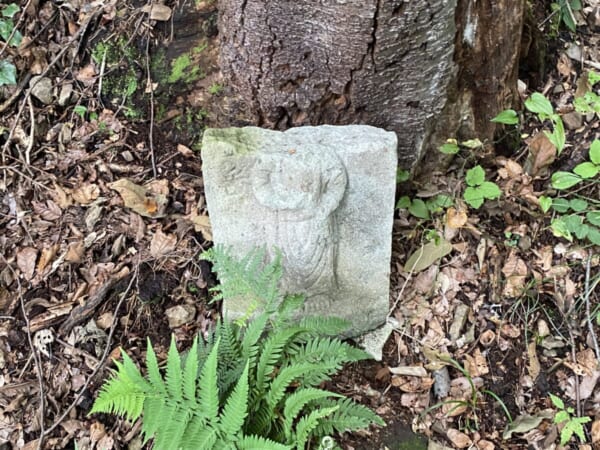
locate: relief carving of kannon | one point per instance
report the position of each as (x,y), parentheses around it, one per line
(300,191)
(321,196)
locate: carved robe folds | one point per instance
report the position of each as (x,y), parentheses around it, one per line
(322,195)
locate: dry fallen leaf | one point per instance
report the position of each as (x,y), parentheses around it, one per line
(157,11)
(476,364)
(47,255)
(162,244)
(515,272)
(458,438)
(140,199)
(75,252)
(542,153)
(26,258)
(456,218)
(533,366)
(86,193)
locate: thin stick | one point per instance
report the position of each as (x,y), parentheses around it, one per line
(31,132)
(151,87)
(587,308)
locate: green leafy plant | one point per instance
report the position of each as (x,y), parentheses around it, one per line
(478,190)
(8,33)
(573,424)
(252,383)
(541,106)
(423,209)
(564,9)
(215,89)
(583,220)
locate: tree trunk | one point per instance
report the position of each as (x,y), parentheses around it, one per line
(426,69)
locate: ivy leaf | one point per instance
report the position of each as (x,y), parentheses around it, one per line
(506,117)
(10,10)
(593,217)
(578,204)
(559,229)
(418,208)
(8,73)
(475,176)
(490,190)
(539,104)
(595,152)
(586,170)
(545,203)
(473,197)
(564,180)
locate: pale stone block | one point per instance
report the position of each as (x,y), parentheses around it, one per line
(324,196)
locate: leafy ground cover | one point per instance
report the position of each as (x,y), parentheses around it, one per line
(495,260)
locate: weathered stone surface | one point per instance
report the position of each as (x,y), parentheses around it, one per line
(324,196)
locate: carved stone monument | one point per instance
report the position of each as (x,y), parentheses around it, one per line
(322,195)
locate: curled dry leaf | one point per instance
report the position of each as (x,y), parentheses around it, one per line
(144,201)
(542,153)
(26,258)
(162,244)
(476,365)
(515,272)
(456,218)
(86,193)
(46,257)
(75,252)
(458,438)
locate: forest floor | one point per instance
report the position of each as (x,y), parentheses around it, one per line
(103,219)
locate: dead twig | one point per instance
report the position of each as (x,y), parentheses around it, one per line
(151,88)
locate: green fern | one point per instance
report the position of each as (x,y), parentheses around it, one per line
(247,385)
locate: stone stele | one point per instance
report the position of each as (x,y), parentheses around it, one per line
(322,195)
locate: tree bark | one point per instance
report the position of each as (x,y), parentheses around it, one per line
(426,69)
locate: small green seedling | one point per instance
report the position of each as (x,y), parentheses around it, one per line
(402,175)
(423,209)
(215,89)
(573,425)
(507,117)
(478,190)
(452,146)
(541,106)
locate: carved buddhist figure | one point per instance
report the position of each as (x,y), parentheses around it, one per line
(301,190)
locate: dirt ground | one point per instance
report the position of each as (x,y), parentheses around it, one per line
(103,220)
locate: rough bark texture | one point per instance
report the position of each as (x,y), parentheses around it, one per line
(426,69)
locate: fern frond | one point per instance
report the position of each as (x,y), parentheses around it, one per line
(308,423)
(324,326)
(271,354)
(173,376)
(259,443)
(154,377)
(208,390)
(190,374)
(290,304)
(350,416)
(175,420)
(124,393)
(327,354)
(283,380)
(296,402)
(199,437)
(154,412)
(236,409)
(248,277)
